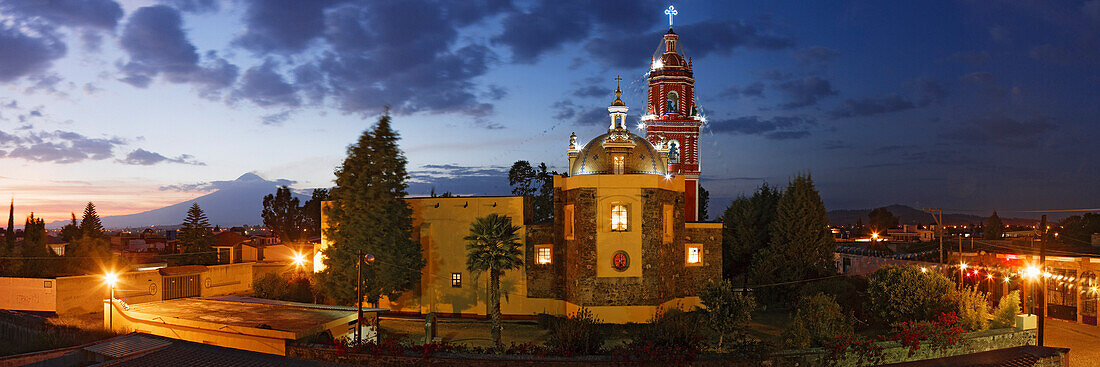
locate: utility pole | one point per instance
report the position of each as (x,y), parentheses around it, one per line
(1042,270)
(962,268)
(939,226)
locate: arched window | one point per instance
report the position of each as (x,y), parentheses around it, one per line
(673,105)
(673,151)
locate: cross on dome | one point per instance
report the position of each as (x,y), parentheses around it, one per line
(670,12)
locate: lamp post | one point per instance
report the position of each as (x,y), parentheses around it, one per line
(360,258)
(111,279)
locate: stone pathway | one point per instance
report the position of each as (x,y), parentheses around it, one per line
(1082,340)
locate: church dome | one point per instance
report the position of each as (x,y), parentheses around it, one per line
(593,157)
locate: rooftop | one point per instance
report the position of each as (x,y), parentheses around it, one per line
(298,318)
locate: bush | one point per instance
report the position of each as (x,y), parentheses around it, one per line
(1007,309)
(905,293)
(275,286)
(817,321)
(670,336)
(973,309)
(727,312)
(579,334)
(850,293)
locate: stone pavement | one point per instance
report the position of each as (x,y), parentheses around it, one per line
(1083,341)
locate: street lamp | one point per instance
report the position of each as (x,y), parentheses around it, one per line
(360,259)
(1031,272)
(111,279)
(299,261)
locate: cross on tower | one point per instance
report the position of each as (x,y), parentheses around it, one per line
(617,79)
(670,12)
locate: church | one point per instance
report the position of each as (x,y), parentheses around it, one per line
(624,241)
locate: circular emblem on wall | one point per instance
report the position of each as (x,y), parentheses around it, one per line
(152,289)
(209,282)
(620,260)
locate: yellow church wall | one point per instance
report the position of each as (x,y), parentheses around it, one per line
(609,242)
(439,226)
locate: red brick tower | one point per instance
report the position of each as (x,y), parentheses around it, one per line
(671,114)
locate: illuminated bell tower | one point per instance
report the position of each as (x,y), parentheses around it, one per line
(671,116)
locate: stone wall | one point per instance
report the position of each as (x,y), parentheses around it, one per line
(894,352)
(580,253)
(694,277)
(544,280)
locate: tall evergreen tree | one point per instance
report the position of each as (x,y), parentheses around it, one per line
(9,236)
(71,231)
(801,246)
(704,203)
(90,225)
(34,249)
(196,238)
(312,212)
(993,229)
(493,246)
(370,216)
(747,229)
(283,216)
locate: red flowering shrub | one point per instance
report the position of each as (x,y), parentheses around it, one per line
(940,333)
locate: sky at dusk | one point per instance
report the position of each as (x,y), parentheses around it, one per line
(957,104)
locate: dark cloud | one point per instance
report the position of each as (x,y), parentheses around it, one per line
(805,92)
(926,90)
(1002,131)
(459,180)
(275,118)
(776,128)
(546,27)
(23,54)
(194,6)
(282,26)
(754,89)
(592,91)
(57,147)
(815,55)
(99,14)
(708,37)
(264,86)
(144,157)
(153,37)
(873,106)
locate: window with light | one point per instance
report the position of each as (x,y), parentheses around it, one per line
(456,280)
(694,255)
(569,222)
(543,255)
(620,165)
(618,217)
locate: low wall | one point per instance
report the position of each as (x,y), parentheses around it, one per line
(84,294)
(28,294)
(894,352)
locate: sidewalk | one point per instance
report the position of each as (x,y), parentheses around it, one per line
(1082,340)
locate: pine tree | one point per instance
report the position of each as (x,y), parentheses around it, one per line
(538,184)
(90,225)
(34,248)
(747,229)
(801,246)
(704,203)
(282,215)
(993,229)
(196,238)
(9,236)
(370,216)
(71,231)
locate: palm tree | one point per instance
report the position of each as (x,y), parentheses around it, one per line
(494,247)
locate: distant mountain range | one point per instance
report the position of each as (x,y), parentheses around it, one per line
(232,203)
(908,215)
